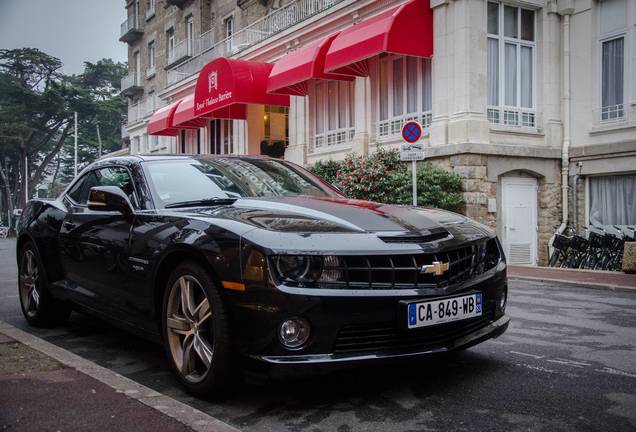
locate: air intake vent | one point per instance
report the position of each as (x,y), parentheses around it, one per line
(415,239)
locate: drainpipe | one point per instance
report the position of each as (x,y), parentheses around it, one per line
(565,151)
(575,180)
(565,10)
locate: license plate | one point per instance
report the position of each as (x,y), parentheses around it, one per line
(429,313)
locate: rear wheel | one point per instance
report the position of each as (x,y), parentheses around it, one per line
(38,306)
(195,331)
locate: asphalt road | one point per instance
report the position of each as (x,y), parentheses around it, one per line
(567,363)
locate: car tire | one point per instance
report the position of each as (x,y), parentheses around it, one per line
(197,348)
(38,305)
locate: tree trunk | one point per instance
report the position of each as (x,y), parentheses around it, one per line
(41,169)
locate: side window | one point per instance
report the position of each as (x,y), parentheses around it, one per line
(79,192)
(119,177)
(111,176)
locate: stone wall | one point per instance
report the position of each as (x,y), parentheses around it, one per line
(478,186)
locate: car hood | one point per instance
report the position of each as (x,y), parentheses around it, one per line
(339,215)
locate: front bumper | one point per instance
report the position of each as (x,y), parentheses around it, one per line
(492,330)
(354,327)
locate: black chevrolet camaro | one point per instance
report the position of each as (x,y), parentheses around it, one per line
(234,260)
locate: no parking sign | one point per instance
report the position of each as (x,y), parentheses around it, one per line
(411,150)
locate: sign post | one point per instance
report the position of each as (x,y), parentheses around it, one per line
(411,150)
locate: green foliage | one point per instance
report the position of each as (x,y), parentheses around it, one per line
(326,169)
(437,187)
(37,103)
(382,177)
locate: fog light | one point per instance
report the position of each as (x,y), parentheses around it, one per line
(294,332)
(502,301)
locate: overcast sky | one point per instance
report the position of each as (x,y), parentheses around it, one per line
(72,30)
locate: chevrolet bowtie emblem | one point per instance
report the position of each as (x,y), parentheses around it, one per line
(437,268)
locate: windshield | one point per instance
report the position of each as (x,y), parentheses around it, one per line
(184,180)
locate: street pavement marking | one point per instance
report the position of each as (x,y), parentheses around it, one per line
(566,363)
(612,371)
(526,354)
(183,413)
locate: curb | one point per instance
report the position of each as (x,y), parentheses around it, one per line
(574,284)
(185,414)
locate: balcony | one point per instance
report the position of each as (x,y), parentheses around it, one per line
(513,117)
(181,52)
(177,3)
(615,117)
(257,32)
(131,29)
(150,12)
(150,72)
(131,85)
(144,108)
(392,128)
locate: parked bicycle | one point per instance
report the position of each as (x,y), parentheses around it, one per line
(599,249)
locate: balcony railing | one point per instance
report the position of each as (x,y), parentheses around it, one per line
(332,140)
(615,115)
(512,117)
(131,84)
(131,29)
(143,108)
(180,51)
(260,30)
(392,128)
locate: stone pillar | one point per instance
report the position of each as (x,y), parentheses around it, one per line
(360,144)
(549,71)
(472,168)
(297,149)
(459,73)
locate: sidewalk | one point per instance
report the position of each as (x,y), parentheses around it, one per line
(590,278)
(37,393)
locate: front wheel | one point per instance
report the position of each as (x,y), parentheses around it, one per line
(38,306)
(195,331)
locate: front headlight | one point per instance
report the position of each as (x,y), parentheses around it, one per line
(307,270)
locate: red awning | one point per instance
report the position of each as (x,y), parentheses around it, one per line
(161,122)
(225,83)
(292,72)
(184,115)
(405,30)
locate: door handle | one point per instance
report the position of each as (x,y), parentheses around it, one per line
(69,225)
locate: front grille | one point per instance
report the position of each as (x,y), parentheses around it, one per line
(388,337)
(405,271)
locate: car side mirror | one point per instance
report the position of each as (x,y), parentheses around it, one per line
(109,198)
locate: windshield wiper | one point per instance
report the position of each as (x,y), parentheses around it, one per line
(202,202)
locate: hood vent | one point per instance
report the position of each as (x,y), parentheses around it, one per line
(415,239)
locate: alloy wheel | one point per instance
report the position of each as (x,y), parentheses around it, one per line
(189,328)
(29,276)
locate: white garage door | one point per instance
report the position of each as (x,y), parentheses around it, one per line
(519,217)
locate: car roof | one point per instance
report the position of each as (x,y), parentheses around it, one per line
(148,157)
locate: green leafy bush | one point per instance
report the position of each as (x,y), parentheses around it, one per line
(326,169)
(382,177)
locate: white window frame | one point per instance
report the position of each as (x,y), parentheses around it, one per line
(190,34)
(391,127)
(607,37)
(137,57)
(170,44)
(229,32)
(152,58)
(508,115)
(336,138)
(151,7)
